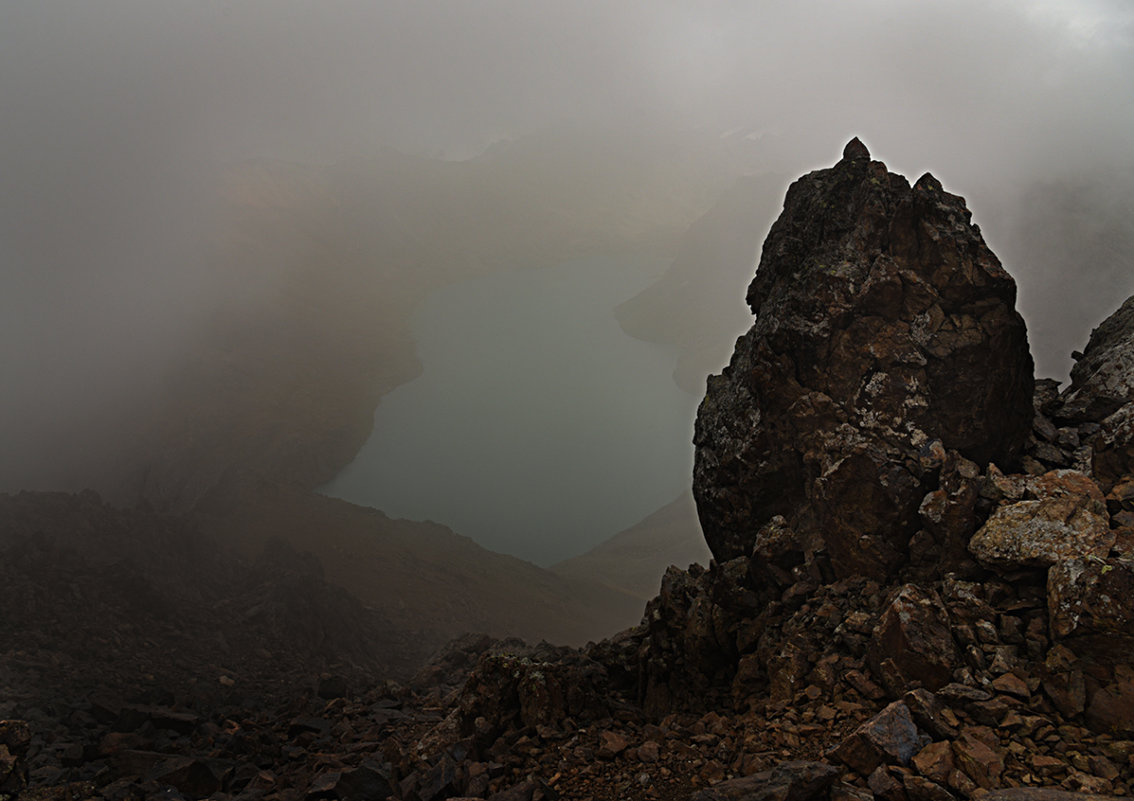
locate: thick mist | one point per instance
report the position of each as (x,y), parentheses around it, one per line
(121,288)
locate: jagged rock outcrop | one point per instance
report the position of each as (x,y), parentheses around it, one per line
(1102,393)
(885,337)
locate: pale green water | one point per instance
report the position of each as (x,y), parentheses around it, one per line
(538,428)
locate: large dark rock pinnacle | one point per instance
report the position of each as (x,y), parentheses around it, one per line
(885,337)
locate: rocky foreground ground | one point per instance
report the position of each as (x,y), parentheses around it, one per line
(923,585)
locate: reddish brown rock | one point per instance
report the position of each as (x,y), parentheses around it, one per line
(196,777)
(649,751)
(1047,766)
(1011,684)
(1067,520)
(928,713)
(1091,607)
(920,789)
(1063,681)
(361,782)
(935,761)
(1111,710)
(693,630)
(883,324)
(913,638)
(15,735)
(885,786)
(10,770)
(611,744)
(788,781)
(978,760)
(890,737)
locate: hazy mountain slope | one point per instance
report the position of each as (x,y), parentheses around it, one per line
(694,306)
(421,576)
(133,599)
(633,560)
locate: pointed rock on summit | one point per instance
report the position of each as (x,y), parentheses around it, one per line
(855,149)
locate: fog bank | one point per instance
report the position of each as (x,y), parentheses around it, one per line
(120,114)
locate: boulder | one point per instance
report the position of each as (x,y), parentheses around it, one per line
(890,737)
(347,785)
(912,642)
(1111,710)
(788,781)
(885,328)
(935,761)
(1090,604)
(1066,520)
(978,759)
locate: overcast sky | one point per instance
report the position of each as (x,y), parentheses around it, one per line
(321,80)
(110,108)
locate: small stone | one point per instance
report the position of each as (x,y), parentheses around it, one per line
(921,789)
(978,760)
(649,751)
(713,772)
(1011,684)
(935,761)
(962,783)
(1046,765)
(884,786)
(611,744)
(864,685)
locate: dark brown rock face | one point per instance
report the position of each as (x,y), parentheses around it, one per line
(885,334)
(1102,391)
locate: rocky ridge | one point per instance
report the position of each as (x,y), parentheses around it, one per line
(985,654)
